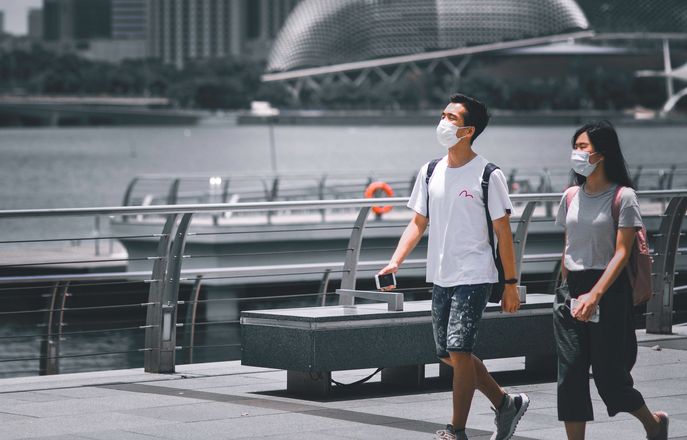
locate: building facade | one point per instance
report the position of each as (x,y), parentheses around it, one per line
(129,19)
(182,30)
(326,32)
(69,21)
(35,24)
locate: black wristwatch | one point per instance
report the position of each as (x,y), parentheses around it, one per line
(511,281)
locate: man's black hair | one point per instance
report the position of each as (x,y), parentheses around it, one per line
(475,115)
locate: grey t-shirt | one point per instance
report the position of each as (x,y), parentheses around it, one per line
(590,232)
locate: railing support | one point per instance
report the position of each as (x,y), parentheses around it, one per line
(153,337)
(50,345)
(350,268)
(173,193)
(659,318)
(520,239)
(128,192)
(191,315)
(324,285)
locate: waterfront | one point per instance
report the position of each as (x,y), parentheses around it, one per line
(91,167)
(75,167)
(79,167)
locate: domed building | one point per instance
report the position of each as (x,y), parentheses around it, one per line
(328,32)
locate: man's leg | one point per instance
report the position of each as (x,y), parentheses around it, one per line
(463,387)
(484,382)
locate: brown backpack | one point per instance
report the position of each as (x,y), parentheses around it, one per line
(638,267)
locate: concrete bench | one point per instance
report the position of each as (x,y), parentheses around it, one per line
(310,343)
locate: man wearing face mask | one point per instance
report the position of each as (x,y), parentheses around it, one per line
(460,262)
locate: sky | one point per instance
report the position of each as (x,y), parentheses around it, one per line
(16,14)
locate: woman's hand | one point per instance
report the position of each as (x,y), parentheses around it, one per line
(392,267)
(586,306)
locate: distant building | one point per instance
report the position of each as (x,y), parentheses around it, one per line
(70,21)
(329,32)
(264,20)
(129,19)
(636,15)
(114,51)
(2,22)
(35,24)
(181,30)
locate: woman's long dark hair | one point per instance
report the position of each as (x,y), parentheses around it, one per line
(604,138)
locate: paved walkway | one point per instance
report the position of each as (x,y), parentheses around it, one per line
(228,401)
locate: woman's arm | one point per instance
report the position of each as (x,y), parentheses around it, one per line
(564,270)
(589,301)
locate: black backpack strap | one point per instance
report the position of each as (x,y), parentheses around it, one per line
(430,170)
(488,169)
(497,289)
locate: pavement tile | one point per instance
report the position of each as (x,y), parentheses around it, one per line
(202,412)
(314,435)
(117,435)
(62,437)
(74,424)
(118,401)
(8,418)
(229,401)
(261,426)
(33,396)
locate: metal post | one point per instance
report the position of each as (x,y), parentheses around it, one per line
(50,345)
(173,194)
(97,234)
(273,147)
(129,191)
(520,239)
(191,314)
(170,298)
(353,250)
(659,318)
(154,316)
(47,343)
(324,285)
(668,68)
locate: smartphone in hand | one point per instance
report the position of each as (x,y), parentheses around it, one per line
(595,316)
(386,280)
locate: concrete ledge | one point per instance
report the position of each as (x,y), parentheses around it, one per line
(317,341)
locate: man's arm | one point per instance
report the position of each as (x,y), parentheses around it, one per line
(511,301)
(410,238)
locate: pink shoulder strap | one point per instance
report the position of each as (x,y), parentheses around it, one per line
(572,191)
(615,208)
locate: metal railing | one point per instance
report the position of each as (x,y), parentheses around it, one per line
(154,189)
(167,275)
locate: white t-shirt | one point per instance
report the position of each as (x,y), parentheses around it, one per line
(459,252)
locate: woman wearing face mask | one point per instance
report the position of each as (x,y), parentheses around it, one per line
(596,252)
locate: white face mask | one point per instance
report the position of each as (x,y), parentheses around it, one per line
(580,163)
(446,134)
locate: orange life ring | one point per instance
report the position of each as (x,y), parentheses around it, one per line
(379,186)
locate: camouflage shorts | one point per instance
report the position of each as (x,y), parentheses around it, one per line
(456,314)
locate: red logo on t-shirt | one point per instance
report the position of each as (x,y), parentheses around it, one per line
(466,194)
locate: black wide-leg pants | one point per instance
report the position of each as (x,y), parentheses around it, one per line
(609,347)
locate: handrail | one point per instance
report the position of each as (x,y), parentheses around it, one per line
(164,279)
(271,206)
